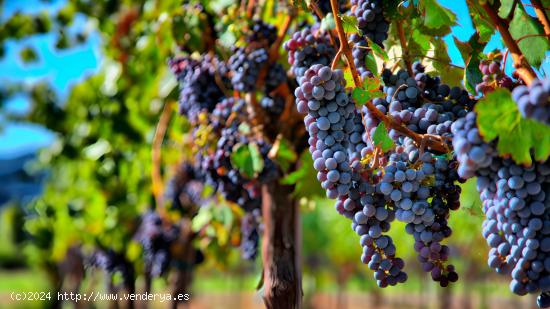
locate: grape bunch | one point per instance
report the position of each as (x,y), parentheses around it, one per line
(184,190)
(261,33)
(517,225)
(219,126)
(533,101)
(331,119)
(273,105)
(373,25)
(516,202)
(113,262)
(371,20)
(245,68)
(471,151)
(198,89)
(493,76)
(321,94)
(250,234)
(307,47)
(156,241)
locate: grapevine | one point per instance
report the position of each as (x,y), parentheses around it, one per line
(284,106)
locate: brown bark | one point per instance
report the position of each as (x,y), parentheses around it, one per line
(521,64)
(186,255)
(541,14)
(445,298)
(280,248)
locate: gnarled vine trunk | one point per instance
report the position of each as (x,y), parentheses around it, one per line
(186,257)
(281,247)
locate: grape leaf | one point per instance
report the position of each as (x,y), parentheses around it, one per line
(381,138)
(370,64)
(349,23)
(498,117)
(533,48)
(436,16)
(472,52)
(377,50)
(362,96)
(418,43)
(450,74)
(28,55)
(348,77)
(247,159)
(328,22)
(299,4)
(505,8)
(244,128)
(285,154)
(482,23)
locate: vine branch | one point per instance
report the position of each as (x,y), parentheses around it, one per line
(156,177)
(404,48)
(388,121)
(521,64)
(541,14)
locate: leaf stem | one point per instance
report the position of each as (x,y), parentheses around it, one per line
(521,64)
(404,48)
(156,178)
(541,14)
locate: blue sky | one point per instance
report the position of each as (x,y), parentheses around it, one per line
(61,69)
(65,68)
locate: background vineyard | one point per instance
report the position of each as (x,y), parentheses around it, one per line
(100,78)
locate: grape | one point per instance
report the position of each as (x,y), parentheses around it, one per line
(543,300)
(198,89)
(493,76)
(250,235)
(261,32)
(185,190)
(308,47)
(534,100)
(114,262)
(156,241)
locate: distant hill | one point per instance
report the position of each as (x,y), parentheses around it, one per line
(16,184)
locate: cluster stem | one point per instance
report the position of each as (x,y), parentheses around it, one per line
(521,64)
(388,121)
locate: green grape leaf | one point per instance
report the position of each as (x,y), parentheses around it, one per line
(498,117)
(302,178)
(377,50)
(244,128)
(435,15)
(505,8)
(362,96)
(285,154)
(472,53)
(418,43)
(328,22)
(299,4)
(533,48)
(348,77)
(349,23)
(450,74)
(381,138)
(370,64)
(247,159)
(28,55)
(482,23)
